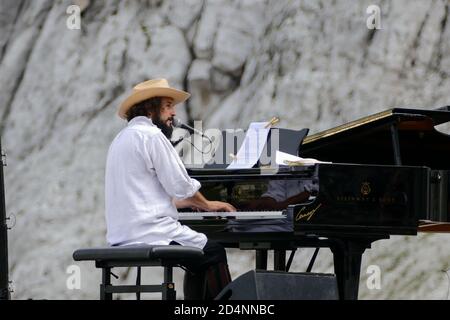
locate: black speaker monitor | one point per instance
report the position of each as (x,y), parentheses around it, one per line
(277,285)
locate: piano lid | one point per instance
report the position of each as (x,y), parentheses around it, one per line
(433,227)
(280,172)
(374,140)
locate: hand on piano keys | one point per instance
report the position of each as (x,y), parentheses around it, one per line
(218,206)
(199,202)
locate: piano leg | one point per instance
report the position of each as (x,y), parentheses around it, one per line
(347,264)
(261,259)
(279,260)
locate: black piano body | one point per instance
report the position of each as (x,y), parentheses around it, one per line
(388,176)
(399,137)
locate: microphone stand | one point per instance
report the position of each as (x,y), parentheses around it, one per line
(174,143)
(178,124)
(4,280)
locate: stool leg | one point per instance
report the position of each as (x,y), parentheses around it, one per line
(279,260)
(106,282)
(261,259)
(138,282)
(168,287)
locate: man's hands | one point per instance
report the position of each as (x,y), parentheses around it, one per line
(267,203)
(214,206)
(199,203)
(219,206)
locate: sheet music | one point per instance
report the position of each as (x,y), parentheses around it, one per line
(283,158)
(252,146)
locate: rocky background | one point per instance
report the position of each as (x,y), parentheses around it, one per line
(314,64)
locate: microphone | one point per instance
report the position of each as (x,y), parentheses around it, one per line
(177,123)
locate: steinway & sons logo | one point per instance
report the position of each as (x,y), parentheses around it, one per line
(365,188)
(364,196)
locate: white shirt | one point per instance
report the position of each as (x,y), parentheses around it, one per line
(143,175)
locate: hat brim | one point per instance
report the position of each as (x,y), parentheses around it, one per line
(178,96)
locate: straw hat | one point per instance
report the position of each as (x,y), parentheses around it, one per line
(149,89)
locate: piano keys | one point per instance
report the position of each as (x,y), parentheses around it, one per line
(242,189)
(239,215)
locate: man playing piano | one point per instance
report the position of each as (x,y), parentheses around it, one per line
(146,182)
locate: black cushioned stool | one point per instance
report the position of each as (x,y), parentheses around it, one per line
(168,256)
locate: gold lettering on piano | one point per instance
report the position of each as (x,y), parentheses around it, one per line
(308,215)
(380,200)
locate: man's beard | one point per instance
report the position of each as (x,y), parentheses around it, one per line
(165,129)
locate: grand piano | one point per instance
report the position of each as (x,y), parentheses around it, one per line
(389,175)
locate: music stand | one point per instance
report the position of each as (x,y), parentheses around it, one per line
(287,140)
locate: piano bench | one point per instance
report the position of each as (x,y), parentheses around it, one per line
(166,256)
